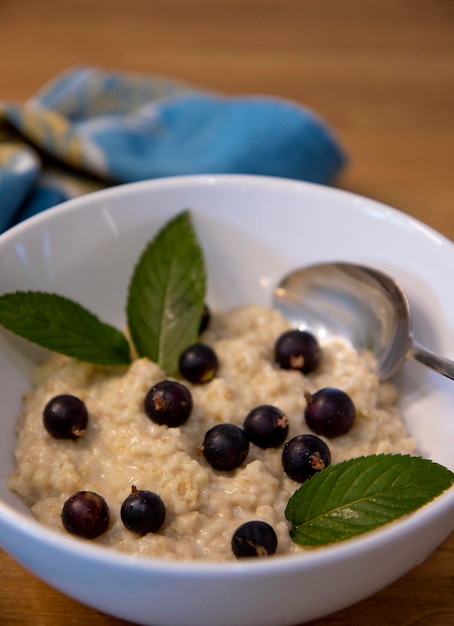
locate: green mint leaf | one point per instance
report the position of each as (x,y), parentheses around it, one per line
(361,494)
(59,324)
(166,294)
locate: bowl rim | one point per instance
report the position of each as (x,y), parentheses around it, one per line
(372,540)
(232,180)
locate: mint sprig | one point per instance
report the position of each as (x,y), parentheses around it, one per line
(355,496)
(166,294)
(164,307)
(60,324)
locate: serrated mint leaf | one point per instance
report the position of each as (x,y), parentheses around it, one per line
(167,293)
(361,494)
(61,325)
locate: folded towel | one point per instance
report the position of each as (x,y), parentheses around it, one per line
(91,128)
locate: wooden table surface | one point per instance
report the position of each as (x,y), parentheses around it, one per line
(380,72)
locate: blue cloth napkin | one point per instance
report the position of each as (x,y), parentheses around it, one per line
(91,128)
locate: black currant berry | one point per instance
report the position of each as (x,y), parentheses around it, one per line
(254,538)
(168,402)
(85,514)
(143,512)
(266,426)
(298,350)
(225,447)
(303,456)
(205,319)
(65,417)
(329,412)
(198,363)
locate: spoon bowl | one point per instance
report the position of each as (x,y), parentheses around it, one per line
(361,304)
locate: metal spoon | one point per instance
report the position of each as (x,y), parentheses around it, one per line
(361,304)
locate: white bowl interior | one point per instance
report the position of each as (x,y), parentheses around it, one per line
(253,231)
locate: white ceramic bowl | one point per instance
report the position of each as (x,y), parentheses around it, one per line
(253,230)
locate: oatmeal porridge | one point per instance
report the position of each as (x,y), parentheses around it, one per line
(123,447)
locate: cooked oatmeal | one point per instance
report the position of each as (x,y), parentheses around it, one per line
(123,447)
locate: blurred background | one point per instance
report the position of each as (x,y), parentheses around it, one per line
(379,72)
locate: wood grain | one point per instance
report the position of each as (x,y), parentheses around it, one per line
(381,72)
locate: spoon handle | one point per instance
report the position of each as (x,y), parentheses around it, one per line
(440,364)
